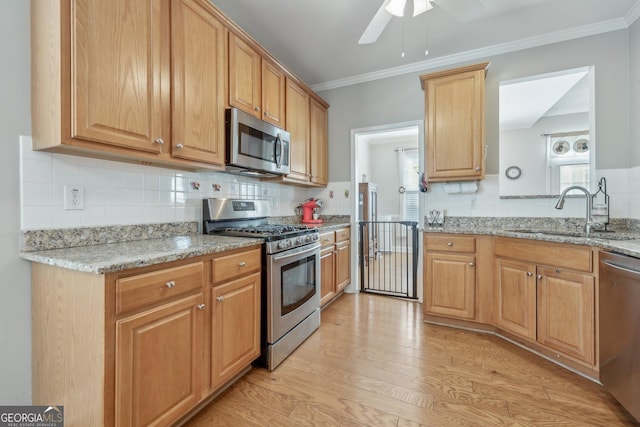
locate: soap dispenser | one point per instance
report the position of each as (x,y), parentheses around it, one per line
(600,204)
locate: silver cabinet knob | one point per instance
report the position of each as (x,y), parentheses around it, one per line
(266,114)
(159,141)
(539,276)
(220,298)
(256,108)
(201,307)
(171,284)
(179,146)
(242,264)
(477,168)
(529,273)
(472,264)
(449,244)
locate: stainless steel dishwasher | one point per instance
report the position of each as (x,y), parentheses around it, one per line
(620,329)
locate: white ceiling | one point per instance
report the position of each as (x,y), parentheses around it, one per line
(318,39)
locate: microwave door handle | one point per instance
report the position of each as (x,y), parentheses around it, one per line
(278,151)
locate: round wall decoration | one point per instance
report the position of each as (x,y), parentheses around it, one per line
(513,172)
(561,147)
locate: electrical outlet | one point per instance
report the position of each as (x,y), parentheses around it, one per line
(73,197)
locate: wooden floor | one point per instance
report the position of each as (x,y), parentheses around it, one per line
(373,362)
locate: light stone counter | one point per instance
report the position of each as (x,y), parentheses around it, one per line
(625,239)
(111,257)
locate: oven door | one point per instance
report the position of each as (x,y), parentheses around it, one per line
(293,288)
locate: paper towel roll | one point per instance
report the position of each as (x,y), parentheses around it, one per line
(461,187)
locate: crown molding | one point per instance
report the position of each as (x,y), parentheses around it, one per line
(498,49)
(633,14)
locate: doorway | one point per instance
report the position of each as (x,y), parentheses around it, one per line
(386,163)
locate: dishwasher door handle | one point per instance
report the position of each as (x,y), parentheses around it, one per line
(618,267)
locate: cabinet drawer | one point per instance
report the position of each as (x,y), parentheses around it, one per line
(235,265)
(450,243)
(151,288)
(343,234)
(546,253)
(327,239)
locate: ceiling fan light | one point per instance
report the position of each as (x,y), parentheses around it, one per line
(396,7)
(421,6)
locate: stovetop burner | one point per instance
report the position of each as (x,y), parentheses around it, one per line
(249,218)
(265,229)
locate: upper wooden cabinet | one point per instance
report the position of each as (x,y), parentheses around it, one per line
(104,89)
(199,79)
(454,121)
(297,101)
(256,85)
(319,140)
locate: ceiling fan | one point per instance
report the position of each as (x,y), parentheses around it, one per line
(463,10)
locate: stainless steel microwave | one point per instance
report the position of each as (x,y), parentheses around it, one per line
(255,147)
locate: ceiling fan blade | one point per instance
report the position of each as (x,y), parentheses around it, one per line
(462,10)
(377,25)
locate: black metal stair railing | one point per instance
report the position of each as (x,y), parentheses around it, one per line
(388,258)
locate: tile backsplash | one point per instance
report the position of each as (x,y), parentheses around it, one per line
(120,193)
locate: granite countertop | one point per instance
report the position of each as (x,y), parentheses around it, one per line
(622,240)
(109,249)
(112,257)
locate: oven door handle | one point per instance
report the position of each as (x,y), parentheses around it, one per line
(297,252)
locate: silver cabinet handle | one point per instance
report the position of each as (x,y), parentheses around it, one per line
(179,146)
(256,108)
(539,276)
(472,264)
(529,273)
(220,298)
(449,244)
(159,141)
(477,168)
(171,284)
(266,114)
(201,307)
(242,264)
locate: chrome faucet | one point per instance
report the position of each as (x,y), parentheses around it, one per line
(589,223)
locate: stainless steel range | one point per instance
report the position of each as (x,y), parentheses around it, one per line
(290,272)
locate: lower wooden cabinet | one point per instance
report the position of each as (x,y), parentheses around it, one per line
(450,276)
(335,263)
(545,293)
(158,363)
(515,297)
(450,285)
(235,328)
(566,312)
(540,294)
(143,346)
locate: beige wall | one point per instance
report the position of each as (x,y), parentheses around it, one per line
(15,287)
(400,99)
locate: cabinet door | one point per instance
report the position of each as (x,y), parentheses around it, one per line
(455,126)
(566,313)
(198,43)
(273,82)
(158,363)
(327,275)
(450,285)
(298,126)
(119,65)
(515,297)
(235,340)
(343,265)
(318,138)
(245,83)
